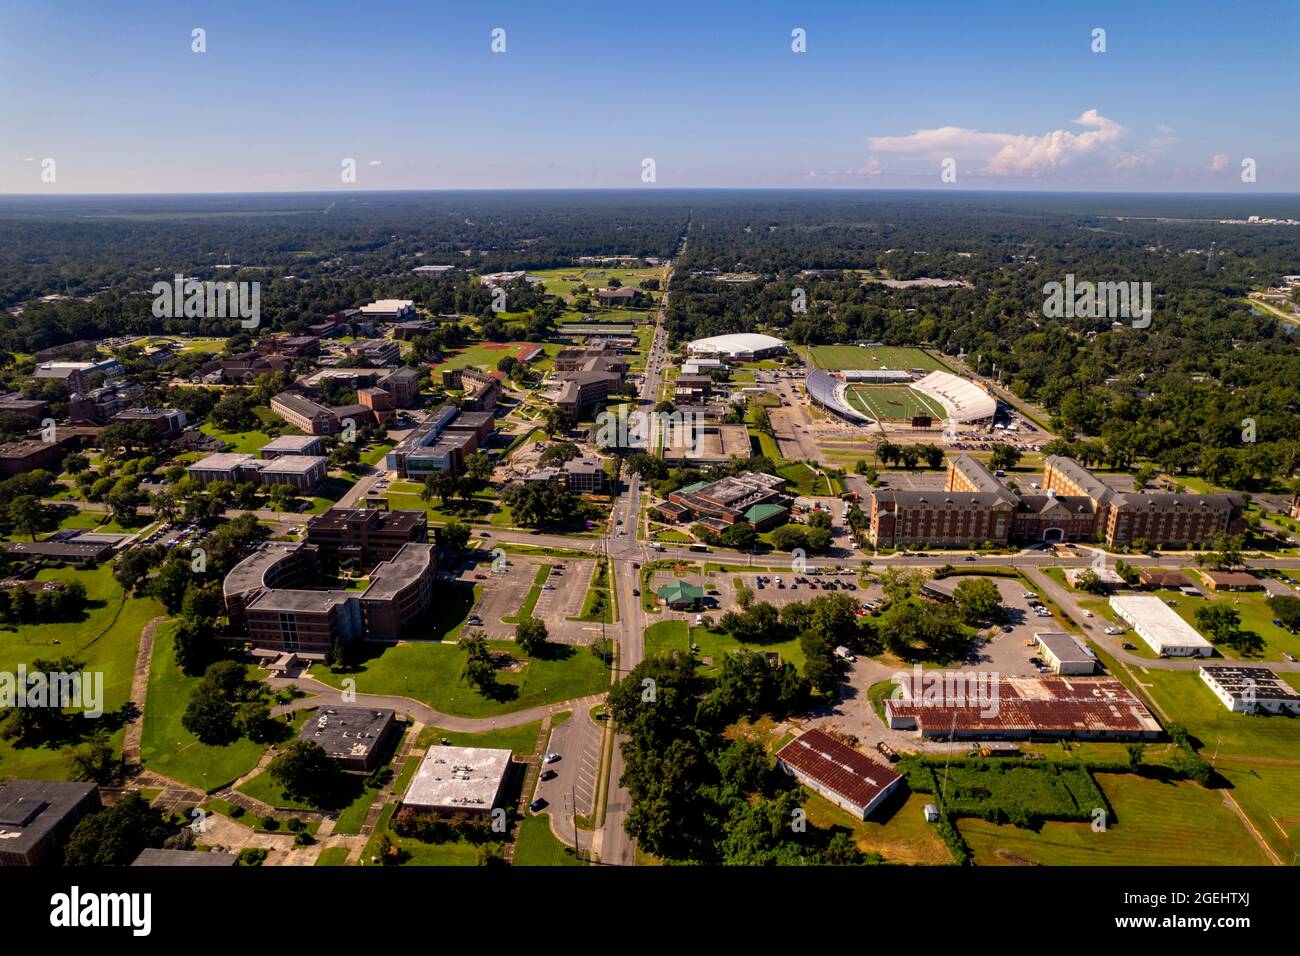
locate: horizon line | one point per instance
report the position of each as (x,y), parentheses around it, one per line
(645,189)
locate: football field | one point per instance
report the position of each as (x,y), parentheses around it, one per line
(892,402)
(836,358)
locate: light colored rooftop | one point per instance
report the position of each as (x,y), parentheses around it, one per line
(458,778)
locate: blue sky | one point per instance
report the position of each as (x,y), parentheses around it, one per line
(584,92)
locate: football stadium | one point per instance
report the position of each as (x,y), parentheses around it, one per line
(864,397)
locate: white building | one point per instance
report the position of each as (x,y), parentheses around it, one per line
(743,346)
(1065,654)
(458,780)
(389,310)
(1160,626)
(1250,690)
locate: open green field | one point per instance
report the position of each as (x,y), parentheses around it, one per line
(1255,616)
(896,830)
(564,281)
(666,636)
(170,749)
(431,673)
(836,358)
(1259,756)
(892,402)
(241,443)
(1155,824)
(104,640)
(484,355)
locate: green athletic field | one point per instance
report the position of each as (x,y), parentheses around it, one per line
(836,358)
(892,402)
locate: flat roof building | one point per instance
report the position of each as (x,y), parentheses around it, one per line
(36,816)
(356,738)
(458,780)
(842,775)
(292,445)
(1160,626)
(1251,690)
(1064,654)
(388,310)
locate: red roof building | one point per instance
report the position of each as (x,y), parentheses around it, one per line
(839,773)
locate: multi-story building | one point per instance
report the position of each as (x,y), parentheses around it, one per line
(292,445)
(269,598)
(441,442)
(901,519)
(364,536)
(388,310)
(975,507)
(303,473)
(167,422)
(304,414)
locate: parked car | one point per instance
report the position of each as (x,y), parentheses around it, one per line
(537,804)
(548,774)
(552,757)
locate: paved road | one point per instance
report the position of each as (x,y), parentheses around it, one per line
(325,695)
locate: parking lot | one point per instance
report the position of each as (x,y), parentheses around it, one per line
(505,590)
(1008,652)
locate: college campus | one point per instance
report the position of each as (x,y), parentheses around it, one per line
(358,519)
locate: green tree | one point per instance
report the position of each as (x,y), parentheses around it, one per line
(531,635)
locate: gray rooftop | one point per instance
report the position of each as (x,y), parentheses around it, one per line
(458,778)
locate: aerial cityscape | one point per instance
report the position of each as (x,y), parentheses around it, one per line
(465,467)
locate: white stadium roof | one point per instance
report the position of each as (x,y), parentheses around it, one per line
(962,399)
(739,343)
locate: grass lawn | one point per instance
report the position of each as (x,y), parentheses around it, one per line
(1255,616)
(668,636)
(804,481)
(535,845)
(244,443)
(835,358)
(518,740)
(1258,755)
(484,355)
(333,856)
(169,748)
(897,830)
(1155,824)
(431,673)
(104,640)
(564,281)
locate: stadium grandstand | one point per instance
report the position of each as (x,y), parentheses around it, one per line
(962,399)
(827,391)
(876,376)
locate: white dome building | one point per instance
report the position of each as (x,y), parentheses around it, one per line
(740,346)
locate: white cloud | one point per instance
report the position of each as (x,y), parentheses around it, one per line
(1219,163)
(1165,136)
(1007,154)
(375,162)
